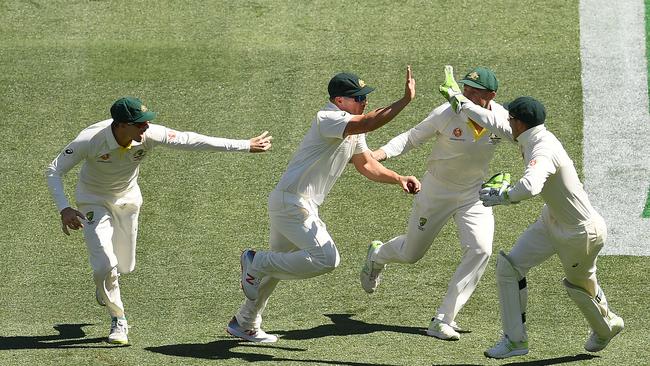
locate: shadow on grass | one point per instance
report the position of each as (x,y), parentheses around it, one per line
(344,325)
(554,361)
(223,350)
(70,336)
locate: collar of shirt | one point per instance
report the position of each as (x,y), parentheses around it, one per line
(527,136)
(112,142)
(331,107)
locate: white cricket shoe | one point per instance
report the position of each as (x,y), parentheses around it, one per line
(250,281)
(597,343)
(98,297)
(371,271)
(506,348)
(442,330)
(119,331)
(252,335)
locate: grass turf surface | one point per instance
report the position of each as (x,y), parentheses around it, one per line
(234,69)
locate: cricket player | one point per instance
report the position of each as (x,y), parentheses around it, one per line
(108,196)
(568,226)
(455,170)
(300,245)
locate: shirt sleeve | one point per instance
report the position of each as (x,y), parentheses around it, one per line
(416,136)
(495,120)
(332,123)
(361,145)
(161,135)
(71,155)
(539,168)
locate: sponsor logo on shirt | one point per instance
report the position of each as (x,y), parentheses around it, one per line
(104,158)
(423,221)
(532,163)
(139,155)
(457,132)
(89,217)
(494,139)
(171,135)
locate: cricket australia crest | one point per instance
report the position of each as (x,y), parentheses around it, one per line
(423,221)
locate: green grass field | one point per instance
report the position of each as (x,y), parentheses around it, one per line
(235,69)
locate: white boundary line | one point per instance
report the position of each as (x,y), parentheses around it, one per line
(616,121)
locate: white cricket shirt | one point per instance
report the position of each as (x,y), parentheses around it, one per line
(462,149)
(110,169)
(549,170)
(322,155)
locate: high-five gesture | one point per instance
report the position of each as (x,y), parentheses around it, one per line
(451,91)
(409,88)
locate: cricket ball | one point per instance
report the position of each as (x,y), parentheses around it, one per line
(411,187)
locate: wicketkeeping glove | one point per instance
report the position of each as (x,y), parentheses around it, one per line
(495,190)
(451,91)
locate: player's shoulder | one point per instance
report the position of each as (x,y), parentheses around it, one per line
(498,108)
(94,131)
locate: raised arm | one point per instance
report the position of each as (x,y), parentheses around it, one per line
(373,120)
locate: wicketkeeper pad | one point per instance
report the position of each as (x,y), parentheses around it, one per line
(594,309)
(513,299)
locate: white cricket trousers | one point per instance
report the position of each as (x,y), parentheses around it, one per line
(300,247)
(110,236)
(577,246)
(432,208)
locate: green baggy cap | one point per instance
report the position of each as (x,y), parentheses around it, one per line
(131,110)
(528,110)
(345,84)
(481,78)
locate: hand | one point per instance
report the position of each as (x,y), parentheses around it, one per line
(495,190)
(70,219)
(379,155)
(410,184)
(260,143)
(409,88)
(451,91)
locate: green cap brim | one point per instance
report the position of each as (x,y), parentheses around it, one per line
(473,84)
(363,91)
(146,116)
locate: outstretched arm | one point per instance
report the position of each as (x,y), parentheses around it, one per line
(261,143)
(490,119)
(375,171)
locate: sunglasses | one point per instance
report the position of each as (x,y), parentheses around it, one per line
(138,124)
(360,98)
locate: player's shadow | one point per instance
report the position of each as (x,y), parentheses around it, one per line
(344,325)
(554,361)
(223,350)
(70,336)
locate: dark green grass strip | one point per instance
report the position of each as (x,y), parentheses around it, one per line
(646,209)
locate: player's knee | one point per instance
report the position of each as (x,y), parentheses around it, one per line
(505,267)
(326,258)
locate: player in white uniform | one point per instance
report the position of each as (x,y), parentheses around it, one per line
(300,246)
(569,226)
(108,196)
(455,170)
